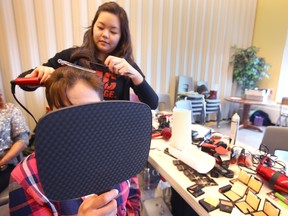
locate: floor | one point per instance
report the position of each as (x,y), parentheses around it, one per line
(249,137)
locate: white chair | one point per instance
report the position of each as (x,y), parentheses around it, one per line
(198,106)
(185,104)
(185,91)
(275,138)
(213,106)
(283,112)
(184,84)
(164,103)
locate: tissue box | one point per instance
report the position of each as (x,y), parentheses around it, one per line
(257,94)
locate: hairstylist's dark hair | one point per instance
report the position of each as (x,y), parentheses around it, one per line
(88,49)
(64,78)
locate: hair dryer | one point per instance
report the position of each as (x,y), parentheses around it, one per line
(165,133)
(275,179)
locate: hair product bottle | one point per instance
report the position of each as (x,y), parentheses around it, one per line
(234,129)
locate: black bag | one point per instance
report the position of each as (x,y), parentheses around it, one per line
(264,115)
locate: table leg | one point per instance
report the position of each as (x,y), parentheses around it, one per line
(245,123)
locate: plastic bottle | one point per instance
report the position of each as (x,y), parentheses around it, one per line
(234,129)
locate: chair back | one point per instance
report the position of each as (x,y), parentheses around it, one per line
(185,104)
(275,138)
(185,84)
(283,113)
(164,103)
(198,106)
(213,105)
(284,102)
(86,149)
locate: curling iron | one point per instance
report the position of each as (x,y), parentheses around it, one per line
(34,81)
(24,82)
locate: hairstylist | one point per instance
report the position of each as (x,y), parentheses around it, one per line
(107,41)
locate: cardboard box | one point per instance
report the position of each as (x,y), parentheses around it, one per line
(257,94)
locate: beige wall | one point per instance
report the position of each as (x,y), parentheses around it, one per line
(170,38)
(270,33)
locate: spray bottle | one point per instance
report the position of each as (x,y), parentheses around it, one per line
(234,129)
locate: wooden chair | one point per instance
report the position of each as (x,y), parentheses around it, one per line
(283,112)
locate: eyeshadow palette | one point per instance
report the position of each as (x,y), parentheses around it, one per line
(252,182)
(268,209)
(237,191)
(250,204)
(209,203)
(244,177)
(226,205)
(193,175)
(255,184)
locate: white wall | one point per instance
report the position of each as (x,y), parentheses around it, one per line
(170,37)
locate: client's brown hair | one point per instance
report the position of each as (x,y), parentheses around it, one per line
(64,78)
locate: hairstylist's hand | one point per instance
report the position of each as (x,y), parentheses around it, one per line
(122,67)
(99,205)
(42,72)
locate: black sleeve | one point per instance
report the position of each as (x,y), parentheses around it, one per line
(145,92)
(52,62)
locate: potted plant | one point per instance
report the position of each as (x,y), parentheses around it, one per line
(248,68)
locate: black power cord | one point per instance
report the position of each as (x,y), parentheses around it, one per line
(13,85)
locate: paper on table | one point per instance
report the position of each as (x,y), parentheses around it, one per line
(195,158)
(181,128)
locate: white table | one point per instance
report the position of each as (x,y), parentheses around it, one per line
(163,163)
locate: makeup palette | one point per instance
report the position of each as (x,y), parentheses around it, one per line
(250,204)
(269,209)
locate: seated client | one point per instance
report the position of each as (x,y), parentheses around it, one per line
(68,86)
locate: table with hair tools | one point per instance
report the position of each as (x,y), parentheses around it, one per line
(163,163)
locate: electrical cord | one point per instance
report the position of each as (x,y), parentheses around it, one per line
(13,85)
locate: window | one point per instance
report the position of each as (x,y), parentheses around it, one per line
(282,90)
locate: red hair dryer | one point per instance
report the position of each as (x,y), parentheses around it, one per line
(275,179)
(165,133)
